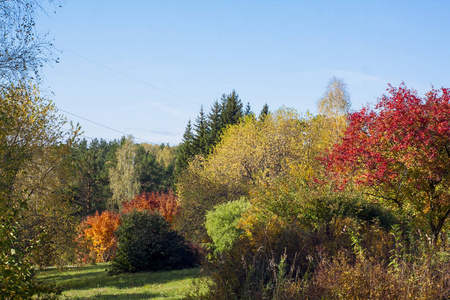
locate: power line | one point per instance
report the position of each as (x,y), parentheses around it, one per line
(82,135)
(96,123)
(128,76)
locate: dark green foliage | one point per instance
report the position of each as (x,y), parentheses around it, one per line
(340,205)
(153,176)
(248,110)
(185,150)
(232,108)
(208,128)
(264,112)
(215,123)
(90,188)
(201,134)
(150,172)
(147,243)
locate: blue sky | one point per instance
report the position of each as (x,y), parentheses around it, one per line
(145,67)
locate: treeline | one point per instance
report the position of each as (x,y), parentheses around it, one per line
(99,180)
(201,137)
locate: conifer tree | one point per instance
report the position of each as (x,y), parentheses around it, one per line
(264,112)
(232,108)
(208,129)
(215,123)
(248,110)
(201,134)
(185,149)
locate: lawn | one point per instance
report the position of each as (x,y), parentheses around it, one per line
(92,282)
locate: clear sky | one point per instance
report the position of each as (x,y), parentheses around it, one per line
(145,67)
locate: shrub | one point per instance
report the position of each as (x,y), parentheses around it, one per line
(277,257)
(147,243)
(369,278)
(97,233)
(222,224)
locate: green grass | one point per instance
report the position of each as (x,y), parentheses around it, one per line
(92,282)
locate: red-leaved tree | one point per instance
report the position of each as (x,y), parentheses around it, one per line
(400,150)
(165,203)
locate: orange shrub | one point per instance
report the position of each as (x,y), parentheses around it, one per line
(97,232)
(165,203)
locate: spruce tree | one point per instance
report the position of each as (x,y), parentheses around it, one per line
(185,149)
(215,123)
(201,134)
(248,110)
(264,112)
(232,108)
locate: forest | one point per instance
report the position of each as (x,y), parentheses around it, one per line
(343,204)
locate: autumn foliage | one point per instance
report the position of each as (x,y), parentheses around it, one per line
(165,203)
(400,152)
(97,234)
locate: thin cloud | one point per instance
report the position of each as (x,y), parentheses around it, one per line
(170,110)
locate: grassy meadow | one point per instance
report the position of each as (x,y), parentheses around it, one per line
(93,282)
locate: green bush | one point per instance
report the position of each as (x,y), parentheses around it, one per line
(221,223)
(278,257)
(147,243)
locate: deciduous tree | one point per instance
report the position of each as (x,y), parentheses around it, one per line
(32,150)
(400,151)
(23,51)
(250,153)
(123,176)
(98,233)
(336,100)
(165,203)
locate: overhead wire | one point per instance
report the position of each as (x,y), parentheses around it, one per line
(96,123)
(125,75)
(128,76)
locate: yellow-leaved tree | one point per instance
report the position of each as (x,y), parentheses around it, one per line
(33,147)
(123,175)
(286,200)
(252,152)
